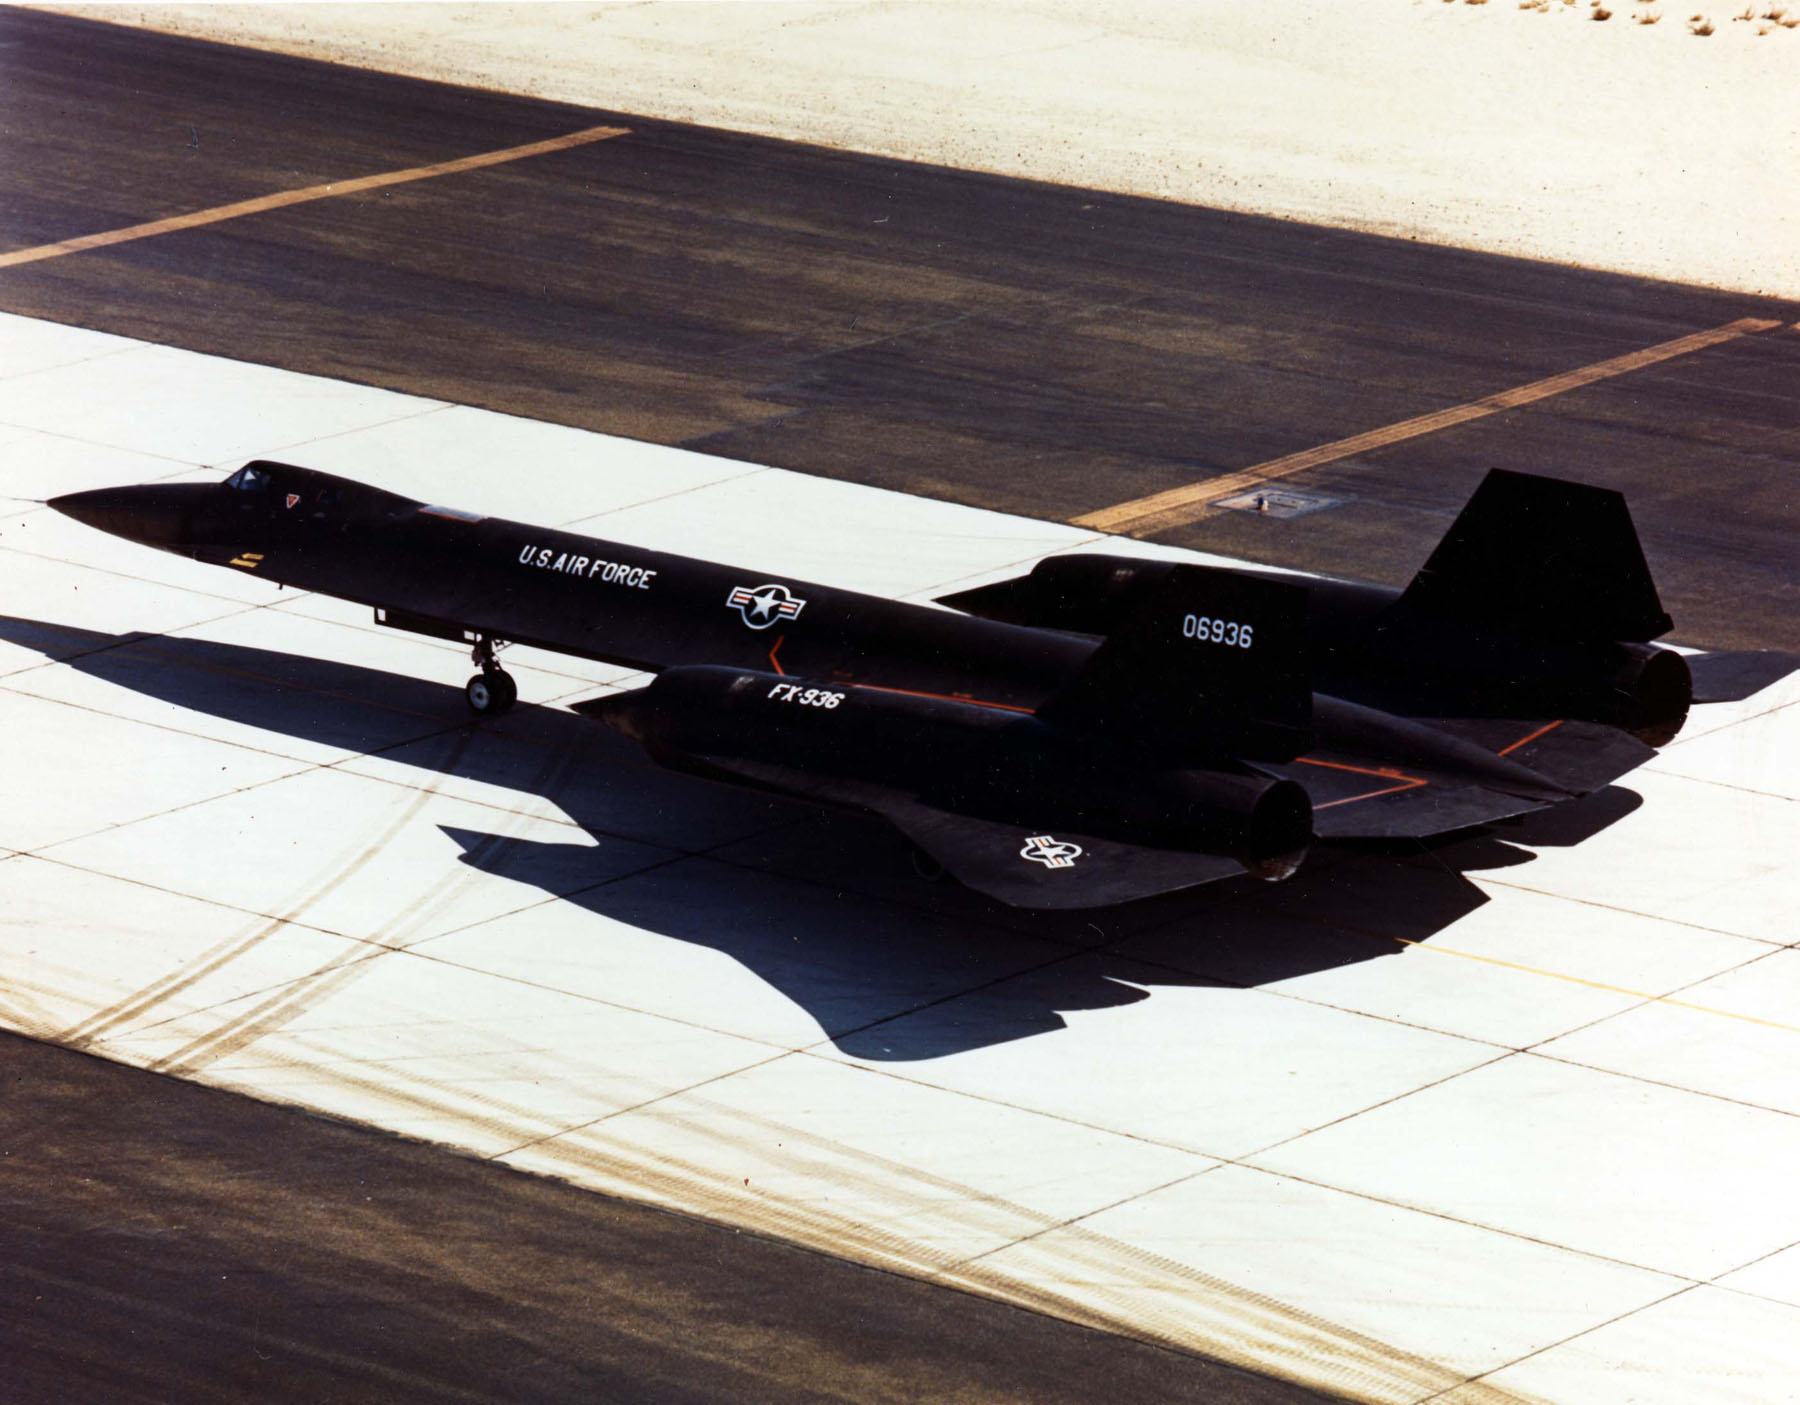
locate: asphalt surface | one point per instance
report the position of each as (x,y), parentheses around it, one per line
(1038,349)
(163,1241)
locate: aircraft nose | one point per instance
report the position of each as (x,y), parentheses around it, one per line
(150,513)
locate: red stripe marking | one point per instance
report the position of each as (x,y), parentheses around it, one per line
(1548,726)
(1370,795)
(775,649)
(1406,782)
(1384,771)
(943,697)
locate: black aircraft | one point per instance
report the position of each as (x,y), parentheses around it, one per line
(1101,730)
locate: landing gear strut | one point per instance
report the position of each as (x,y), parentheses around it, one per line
(492,691)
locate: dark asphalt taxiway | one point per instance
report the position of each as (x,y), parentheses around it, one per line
(162,1241)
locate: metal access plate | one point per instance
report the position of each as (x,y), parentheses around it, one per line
(1281,502)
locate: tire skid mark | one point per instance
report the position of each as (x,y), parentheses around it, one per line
(914,1192)
(101,1023)
(1239,1325)
(15,1018)
(108,1021)
(441,1100)
(1220,1318)
(769,1130)
(295,998)
(1212,1314)
(20,1010)
(1242,1325)
(1230,1323)
(390,1082)
(551,779)
(268,1014)
(286,1003)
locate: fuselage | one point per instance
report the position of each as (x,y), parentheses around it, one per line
(575,594)
(458,574)
(1164,714)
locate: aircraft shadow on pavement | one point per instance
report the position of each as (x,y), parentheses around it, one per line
(797,896)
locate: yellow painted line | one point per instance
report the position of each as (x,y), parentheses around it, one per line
(283,198)
(1178,506)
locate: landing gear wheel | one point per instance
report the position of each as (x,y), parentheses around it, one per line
(491,692)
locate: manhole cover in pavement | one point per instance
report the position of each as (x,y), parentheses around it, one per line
(1280,502)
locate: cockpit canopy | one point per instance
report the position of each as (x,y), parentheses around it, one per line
(308,492)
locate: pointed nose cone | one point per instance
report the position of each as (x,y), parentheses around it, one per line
(623,712)
(155,514)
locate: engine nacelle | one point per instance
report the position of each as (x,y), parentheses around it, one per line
(1433,667)
(991,763)
(1649,691)
(1371,645)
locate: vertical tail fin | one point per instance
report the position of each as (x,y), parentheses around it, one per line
(1546,557)
(1204,662)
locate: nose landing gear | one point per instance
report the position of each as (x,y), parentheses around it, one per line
(492,691)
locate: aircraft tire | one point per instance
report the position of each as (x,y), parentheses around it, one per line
(491,693)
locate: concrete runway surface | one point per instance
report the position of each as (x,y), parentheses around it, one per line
(1508,1118)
